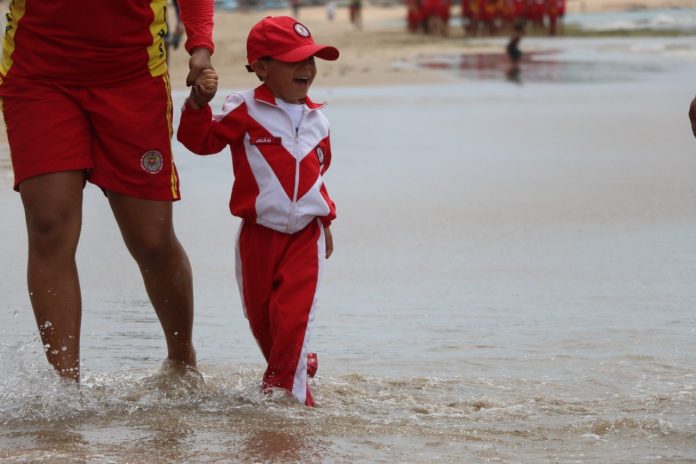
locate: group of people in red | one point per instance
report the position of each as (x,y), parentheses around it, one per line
(485,17)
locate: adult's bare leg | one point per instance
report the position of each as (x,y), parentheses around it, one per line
(148,231)
(53,212)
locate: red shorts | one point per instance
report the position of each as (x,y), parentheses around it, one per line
(120,136)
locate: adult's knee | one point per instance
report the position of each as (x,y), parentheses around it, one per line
(153,246)
(52,231)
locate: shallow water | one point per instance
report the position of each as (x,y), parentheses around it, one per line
(513,281)
(562,60)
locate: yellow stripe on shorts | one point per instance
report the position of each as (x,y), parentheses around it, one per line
(174,180)
(15,13)
(157,51)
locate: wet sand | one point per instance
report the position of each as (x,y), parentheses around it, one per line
(512,282)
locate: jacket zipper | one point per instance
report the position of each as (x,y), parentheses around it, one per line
(296,148)
(293,205)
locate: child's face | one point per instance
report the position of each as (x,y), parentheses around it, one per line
(288,81)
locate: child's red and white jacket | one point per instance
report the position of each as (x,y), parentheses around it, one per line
(277,170)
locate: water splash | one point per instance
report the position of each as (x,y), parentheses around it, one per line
(220,413)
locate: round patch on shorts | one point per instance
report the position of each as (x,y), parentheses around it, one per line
(320,155)
(152,162)
(301,30)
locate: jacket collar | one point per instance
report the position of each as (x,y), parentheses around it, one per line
(264,94)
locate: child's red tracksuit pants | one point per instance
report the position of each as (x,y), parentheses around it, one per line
(278,276)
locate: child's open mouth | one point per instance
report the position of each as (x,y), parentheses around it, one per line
(302,80)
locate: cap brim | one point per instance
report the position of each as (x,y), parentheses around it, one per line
(325,52)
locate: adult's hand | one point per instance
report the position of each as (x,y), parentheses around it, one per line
(200,60)
(692,115)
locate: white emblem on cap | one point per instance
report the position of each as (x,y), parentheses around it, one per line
(301,30)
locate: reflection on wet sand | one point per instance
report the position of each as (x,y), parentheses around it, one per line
(66,444)
(266,445)
(536,66)
(169,432)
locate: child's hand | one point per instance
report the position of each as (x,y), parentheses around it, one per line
(204,88)
(328,239)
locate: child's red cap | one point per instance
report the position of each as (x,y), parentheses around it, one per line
(285,39)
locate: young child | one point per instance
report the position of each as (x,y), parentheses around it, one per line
(280,149)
